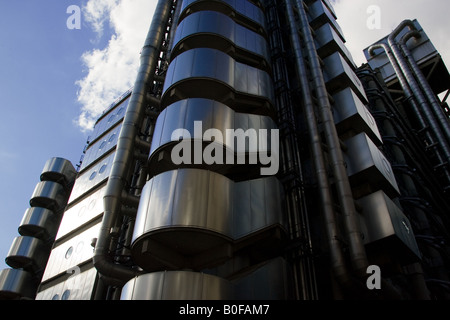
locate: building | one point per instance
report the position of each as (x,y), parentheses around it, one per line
(252,159)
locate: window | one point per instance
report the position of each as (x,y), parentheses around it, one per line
(69,252)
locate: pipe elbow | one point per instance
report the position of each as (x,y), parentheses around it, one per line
(404,24)
(411,34)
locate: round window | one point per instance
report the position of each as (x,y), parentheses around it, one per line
(65,295)
(69,252)
(102,145)
(103,168)
(93,174)
(111,139)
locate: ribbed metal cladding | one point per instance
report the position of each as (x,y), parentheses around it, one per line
(202,216)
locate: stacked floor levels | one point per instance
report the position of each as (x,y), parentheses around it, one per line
(164,206)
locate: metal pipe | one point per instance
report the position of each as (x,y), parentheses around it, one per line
(415,87)
(424,107)
(349,213)
(115,273)
(336,255)
(407,92)
(436,106)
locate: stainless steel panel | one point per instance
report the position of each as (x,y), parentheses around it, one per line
(227,31)
(213,115)
(383,219)
(101,147)
(320,14)
(350,114)
(16,284)
(40,223)
(79,286)
(93,177)
(177,285)
(196,66)
(70,253)
(247,13)
(28,253)
(58,170)
(271,281)
(366,165)
(109,119)
(339,75)
(329,42)
(50,195)
(86,210)
(422,49)
(192,211)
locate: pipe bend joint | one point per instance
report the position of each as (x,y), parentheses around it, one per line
(405,23)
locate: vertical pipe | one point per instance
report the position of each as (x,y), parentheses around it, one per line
(336,256)
(436,107)
(350,216)
(434,126)
(122,162)
(408,94)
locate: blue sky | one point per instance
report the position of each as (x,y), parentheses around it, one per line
(40,62)
(54,81)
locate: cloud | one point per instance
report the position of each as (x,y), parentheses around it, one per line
(110,71)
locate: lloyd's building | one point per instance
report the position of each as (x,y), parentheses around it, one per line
(251,159)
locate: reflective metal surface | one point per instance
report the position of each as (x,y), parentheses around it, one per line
(368,166)
(79,286)
(339,75)
(243,12)
(384,222)
(110,119)
(193,212)
(40,223)
(320,14)
(74,251)
(16,284)
(272,280)
(350,114)
(101,147)
(28,253)
(213,115)
(49,195)
(177,285)
(81,213)
(58,170)
(190,75)
(328,42)
(91,178)
(197,30)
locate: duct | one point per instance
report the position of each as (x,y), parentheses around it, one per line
(349,214)
(407,91)
(111,271)
(59,170)
(177,285)
(40,223)
(336,255)
(16,284)
(193,218)
(436,107)
(50,195)
(415,87)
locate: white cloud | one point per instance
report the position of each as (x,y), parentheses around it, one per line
(432,16)
(112,70)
